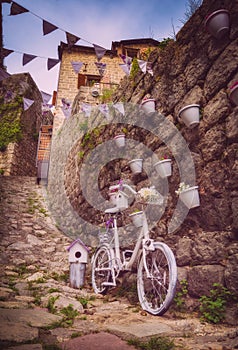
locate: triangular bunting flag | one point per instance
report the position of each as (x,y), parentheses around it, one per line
(27,103)
(17,9)
(5,52)
(125,68)
(126,59)
(71,39)
(104,109)
(48,27)
(27,58)
(101,67)
(142,65)
(66,108)
(77,66)
(66,111)
(3,74)
(120,107)
(100,51)
(45,97)
(149,69)
(51,62)
(86,108)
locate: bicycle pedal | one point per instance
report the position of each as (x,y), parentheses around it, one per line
(109,284)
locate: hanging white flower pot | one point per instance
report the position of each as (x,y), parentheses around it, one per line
(136,165)
(164,167)
(233,93)
(218,23)
(137,218)
(148,105)
(190,197)
(190,115)
(120,140)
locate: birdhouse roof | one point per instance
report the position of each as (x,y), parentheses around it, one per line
(79,242)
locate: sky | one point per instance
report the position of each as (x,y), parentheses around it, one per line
(95,21)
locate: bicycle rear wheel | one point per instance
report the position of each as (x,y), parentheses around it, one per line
(156,282)
(102,270)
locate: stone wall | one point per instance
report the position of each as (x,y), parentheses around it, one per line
(20,157)
(194,69)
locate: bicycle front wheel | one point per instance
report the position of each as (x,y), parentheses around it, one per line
(102,270)
(156,279)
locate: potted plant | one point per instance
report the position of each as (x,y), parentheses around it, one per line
(136,165)
(189,115)
(218,23)
(233,93)
(148,105)
(189,195)
(120,140)
(164,167)
(137,217)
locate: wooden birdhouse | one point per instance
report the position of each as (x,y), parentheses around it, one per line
(78,252)
(78,258)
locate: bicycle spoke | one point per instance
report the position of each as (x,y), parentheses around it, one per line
(156,282)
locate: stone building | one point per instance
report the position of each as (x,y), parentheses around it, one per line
(70,83)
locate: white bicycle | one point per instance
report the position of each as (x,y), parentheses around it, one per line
(156,265)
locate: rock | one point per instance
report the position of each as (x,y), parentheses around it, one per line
(32,317)
(17,332)
(63,301)
(208,274)
(36,276)
(26,347)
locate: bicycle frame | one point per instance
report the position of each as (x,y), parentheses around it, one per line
(143,242)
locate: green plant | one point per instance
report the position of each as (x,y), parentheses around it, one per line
(57,277)
(76,335)
(53,290)
(164,43)
(134,68)
(1,171)
(106,96)
(84,300)
(180,296)
(10,122)
(154,343)
(69,314)
(51,302)
(213,307)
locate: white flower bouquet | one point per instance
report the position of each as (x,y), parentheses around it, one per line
(182,187)
(150,195)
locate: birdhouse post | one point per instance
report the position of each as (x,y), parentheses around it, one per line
(78,258)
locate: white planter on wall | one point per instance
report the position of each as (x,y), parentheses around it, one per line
(190,115)
(233,93)
(164,167)
(190,197)
(136,165)
(218,23)
(120,140)
(148,105)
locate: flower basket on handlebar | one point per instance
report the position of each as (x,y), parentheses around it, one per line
(149,195)
(137,218)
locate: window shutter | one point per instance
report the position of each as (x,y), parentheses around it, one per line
(81,80)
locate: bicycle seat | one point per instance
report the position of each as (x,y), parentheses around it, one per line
(112,210)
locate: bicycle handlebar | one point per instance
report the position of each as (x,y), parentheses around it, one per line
(121,186)
(129,188)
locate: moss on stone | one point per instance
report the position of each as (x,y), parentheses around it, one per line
(10,122)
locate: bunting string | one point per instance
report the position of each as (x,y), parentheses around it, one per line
(71,39)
